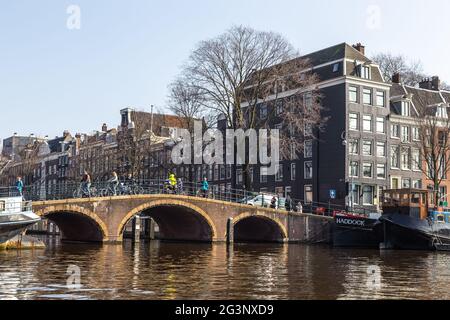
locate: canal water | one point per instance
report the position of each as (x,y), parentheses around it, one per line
(159,270)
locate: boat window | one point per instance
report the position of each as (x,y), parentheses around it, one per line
(2,206)
(415,198)
(441,218)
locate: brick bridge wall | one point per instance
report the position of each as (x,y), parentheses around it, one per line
(179,218)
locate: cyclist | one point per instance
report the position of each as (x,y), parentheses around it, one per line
(172,182)
(86,184)
(114,183)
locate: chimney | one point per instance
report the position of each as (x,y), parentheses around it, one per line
(430,84)
(105,128)
(397,78)
(435,83)
(360,48)
(66,133)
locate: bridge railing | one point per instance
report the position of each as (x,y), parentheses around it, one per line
(60,191)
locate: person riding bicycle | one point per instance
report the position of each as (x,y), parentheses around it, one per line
(172,182)
(114,183)
(86,184)
(205,187)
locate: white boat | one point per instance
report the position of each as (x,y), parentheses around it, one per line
(16,215)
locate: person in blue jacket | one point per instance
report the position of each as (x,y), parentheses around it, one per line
(205,187)
(19,186)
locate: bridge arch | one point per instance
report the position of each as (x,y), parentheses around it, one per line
(251,227)
(76,223)
(179,220)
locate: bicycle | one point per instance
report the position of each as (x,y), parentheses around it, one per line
(80,192)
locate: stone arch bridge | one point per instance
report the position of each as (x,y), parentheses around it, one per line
(182,218)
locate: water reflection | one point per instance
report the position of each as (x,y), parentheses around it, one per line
(159,270)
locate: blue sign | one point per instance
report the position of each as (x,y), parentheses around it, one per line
(332,194)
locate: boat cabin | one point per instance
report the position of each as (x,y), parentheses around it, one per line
(411,202)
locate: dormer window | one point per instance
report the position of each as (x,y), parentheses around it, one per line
(406,109)
(336,67)
(441,112)
(364,72)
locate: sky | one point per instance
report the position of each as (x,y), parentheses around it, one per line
(58,72)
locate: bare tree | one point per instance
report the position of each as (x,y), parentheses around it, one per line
(433,143)
(243,70)
(411,71)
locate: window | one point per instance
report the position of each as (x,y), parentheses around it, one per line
(354,169)
(415,134)
(308,149)
(293,152)
(381,149)
(405,134)
(293,171)
(367,96)
(381,99)
(405,109)
(263,175)
(367,148)
(442,138)
(364,72)
(417,184)
(308,170)
(239,177)
(380,125)
(354,121)
(2,206)
(406,183)
(263,111)
(279,175)
(353,94)
(353,146)
(308,194)
(367,123)
(405,159)
(367,195)
(381,171)
(308,129)
(441,111)
(279,106)
(355,194)
(222,172)
(336,67)
(228,171)
(367,170)
(443,194)
(415,155)
(395,131)
(278,126)
(287,191)
(307,100)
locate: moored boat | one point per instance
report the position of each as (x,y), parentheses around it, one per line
(16,216)
(409,223)
(356,230)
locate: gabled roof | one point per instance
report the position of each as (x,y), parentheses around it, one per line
(422,99)
(337,52)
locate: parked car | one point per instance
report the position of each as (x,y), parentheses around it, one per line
(264,200)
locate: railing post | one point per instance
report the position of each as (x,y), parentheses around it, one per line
(136,229)
(230,231)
